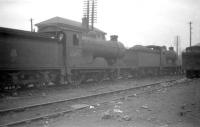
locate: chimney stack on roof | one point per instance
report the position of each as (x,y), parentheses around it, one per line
(85,23)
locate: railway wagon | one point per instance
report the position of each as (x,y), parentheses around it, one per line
(191,61)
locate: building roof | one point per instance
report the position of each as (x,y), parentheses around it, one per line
(60,20)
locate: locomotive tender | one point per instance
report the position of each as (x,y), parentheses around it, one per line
(59,52)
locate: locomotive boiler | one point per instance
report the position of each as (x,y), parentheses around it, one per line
(110,50)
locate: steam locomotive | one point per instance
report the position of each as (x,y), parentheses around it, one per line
(191,61)
(57,55)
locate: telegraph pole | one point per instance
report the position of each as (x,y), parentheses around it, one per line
(92,18)
(90,11)
(177,44)
(190,23)
(31,24)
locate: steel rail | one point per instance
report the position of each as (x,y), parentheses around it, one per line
(73,99)
(76,98)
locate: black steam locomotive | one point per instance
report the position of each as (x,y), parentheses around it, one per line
(58,55)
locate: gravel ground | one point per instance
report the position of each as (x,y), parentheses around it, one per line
(177,106)
(31,97)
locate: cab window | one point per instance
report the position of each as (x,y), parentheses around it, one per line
(75,39)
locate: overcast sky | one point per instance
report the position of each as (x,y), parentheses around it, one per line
(136,22)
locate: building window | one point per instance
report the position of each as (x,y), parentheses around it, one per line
(75,39)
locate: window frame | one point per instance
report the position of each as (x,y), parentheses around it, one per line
(76,39)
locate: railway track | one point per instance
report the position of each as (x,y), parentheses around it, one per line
(60,107)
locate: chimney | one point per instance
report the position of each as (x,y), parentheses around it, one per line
(114,38)
(85,23)
(171,48)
